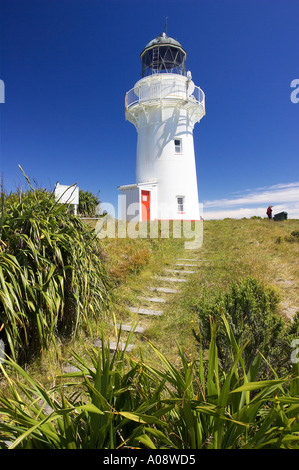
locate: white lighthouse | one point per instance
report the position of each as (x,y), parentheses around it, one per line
(164,106)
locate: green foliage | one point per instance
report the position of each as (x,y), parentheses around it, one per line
(113,402)
(95,407)
(88,203)
(52,274)
(250,310)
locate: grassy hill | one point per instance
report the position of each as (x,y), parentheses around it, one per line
(263,249)
(168,390)
(232,250)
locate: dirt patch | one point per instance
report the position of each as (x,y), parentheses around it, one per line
(288,311)
(286,282)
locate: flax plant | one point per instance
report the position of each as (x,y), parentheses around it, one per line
(94,407)
(52,274)
(113,402)
(216,409)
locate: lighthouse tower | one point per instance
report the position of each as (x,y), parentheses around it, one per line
(164,106)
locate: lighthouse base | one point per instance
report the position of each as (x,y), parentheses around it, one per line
(140,202)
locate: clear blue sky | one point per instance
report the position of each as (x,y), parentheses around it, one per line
(67,65)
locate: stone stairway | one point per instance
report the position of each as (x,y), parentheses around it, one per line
(150,303)
(150,306)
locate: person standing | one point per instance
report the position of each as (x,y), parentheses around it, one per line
(269,212)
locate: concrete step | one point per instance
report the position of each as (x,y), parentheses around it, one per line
(185,264)
(113,345)
(137,329)
(170,279)
(179,271)
(187,259)
(69,368)
(153,299)
(164,289)
(145,311)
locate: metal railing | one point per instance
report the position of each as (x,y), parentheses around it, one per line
(165,89)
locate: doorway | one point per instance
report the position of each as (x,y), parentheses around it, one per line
(145,205)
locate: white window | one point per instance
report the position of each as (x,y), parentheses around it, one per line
(178,145)
(180,201)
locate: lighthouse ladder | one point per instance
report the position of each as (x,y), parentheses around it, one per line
(155,61)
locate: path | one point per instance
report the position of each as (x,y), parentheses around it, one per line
(151,302)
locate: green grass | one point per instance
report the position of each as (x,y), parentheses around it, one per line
(232,250)
(171,402)
(253,247)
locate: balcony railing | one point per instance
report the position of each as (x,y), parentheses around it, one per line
(165,90)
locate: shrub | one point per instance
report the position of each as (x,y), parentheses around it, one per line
(88,203)
(250,309)
(294,237)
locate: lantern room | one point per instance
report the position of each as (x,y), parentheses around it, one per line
(163,55)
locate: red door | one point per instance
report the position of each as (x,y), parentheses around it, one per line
(145,205)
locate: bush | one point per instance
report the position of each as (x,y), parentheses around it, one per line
(250,309)
(88,203)
(294,237)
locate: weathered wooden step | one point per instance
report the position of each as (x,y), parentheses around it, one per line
(113,345)
(145,311)
(164,289)
(170,279)
(137,329)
